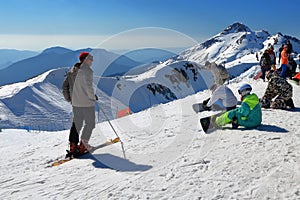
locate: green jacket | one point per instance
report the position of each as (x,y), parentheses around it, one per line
(248,115)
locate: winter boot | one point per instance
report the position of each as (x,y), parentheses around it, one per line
(73,147)
(84,146)
(234,123)
(290,103)
(74,150)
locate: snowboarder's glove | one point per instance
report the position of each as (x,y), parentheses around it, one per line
(96,97)
(204,104)
(205,107)
(205,101)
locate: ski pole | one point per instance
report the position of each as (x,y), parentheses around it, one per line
(109,121)
(113,130)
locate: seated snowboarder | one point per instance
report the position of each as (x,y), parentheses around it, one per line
(278,94)
(248,115)
(222,98)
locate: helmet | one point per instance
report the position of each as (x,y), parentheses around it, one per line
(245,89)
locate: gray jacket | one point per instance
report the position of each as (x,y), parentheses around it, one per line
(83,91)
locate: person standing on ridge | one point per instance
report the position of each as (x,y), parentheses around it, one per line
(289,47)
(284,61)
(280,50)
(83,100)
(265,64)
(67,89)
(272,57)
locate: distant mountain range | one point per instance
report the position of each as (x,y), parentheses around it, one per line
(105,63)
(40,98)
(10,56)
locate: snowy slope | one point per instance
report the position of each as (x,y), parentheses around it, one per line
(161,84)
(38,104)
(167,157)
(40,99)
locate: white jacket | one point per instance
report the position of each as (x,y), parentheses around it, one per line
(83,91)
(225,95)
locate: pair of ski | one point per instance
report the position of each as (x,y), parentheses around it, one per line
(107,143)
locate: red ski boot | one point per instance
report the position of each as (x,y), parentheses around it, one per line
(74,151)
(84,146)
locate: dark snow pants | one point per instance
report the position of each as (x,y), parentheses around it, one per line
(73,136)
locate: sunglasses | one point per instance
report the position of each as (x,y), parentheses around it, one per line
(90,58)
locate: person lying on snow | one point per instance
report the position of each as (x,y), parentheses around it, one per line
(278,94)
(248,115)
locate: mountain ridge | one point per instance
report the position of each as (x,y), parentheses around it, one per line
(57,57)
(165,81)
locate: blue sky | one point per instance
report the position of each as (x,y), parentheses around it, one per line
(38,24)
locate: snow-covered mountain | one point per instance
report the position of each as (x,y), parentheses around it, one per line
(236,47)
(41,99)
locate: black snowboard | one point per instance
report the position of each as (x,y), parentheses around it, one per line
(208,124)
(198,107)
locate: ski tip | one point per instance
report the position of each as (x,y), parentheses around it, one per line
(59,162)
(55,164)
(115,140)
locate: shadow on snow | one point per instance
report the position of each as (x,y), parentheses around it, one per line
(109,161)
(271,128)
(263,127)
